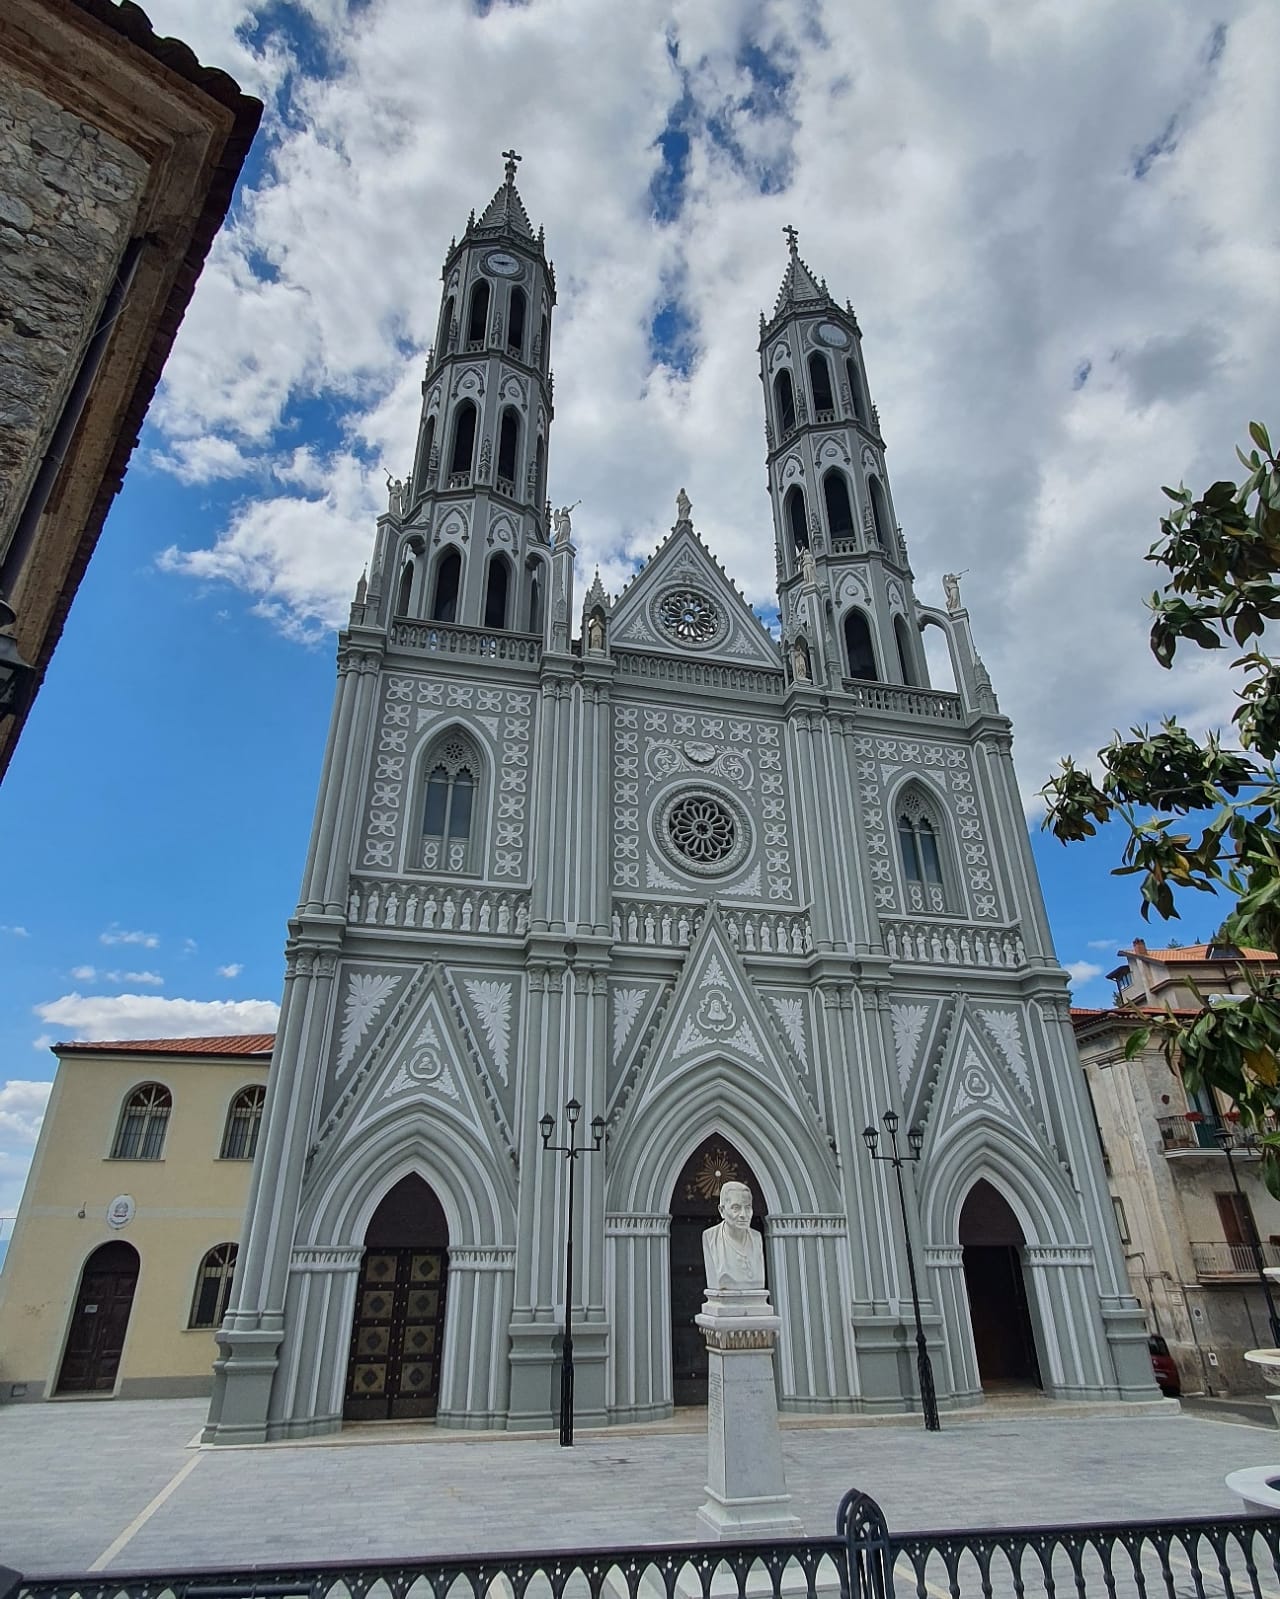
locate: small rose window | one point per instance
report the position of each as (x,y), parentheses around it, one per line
(688,616)
(702,829)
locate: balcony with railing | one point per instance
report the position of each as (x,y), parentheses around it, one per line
(1231,1260)
(1193,1133)
(447,638)
(931,702)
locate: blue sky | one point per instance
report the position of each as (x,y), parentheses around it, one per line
(1046,223)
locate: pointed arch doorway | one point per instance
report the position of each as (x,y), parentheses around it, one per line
(397,1339)
(95,1338)
(695,1206)
(991,1242)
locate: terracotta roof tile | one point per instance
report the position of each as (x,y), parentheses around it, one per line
(226,1044)
(1197,952)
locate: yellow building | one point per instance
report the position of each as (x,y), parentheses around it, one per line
(125,1241)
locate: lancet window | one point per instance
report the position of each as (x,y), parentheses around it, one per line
(824,405)
(858,647)
(879,513)
(444,600)
(835,492)
(797,517)
(516,317)
(918,834)
(448,813)
(508,451)
(855,390)
(464,446)
(906,661)
(784,402)
(478,316)
(497,592)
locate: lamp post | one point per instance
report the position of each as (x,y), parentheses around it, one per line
(570,1151)
(915,1142)
(1224,1138)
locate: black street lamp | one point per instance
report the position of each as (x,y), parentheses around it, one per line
(1225,1137)
(915,1142)
(570,1151)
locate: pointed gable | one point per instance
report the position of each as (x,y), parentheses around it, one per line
(683,589)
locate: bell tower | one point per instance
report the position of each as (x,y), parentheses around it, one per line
(457,543)
(844,584)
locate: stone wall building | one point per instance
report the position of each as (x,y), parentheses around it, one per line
(125,1241)
(1173,1161)
(736,895)
(118,156)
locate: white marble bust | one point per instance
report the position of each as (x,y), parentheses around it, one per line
(732,1252)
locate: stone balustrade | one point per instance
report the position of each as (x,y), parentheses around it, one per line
(940,944)
(705,674)
(434,907)
(911,701)
(665,926)
(447,638)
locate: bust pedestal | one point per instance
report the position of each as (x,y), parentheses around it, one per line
(746,1488)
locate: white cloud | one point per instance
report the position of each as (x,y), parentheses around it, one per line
(102,1017)
(115,934)
(22,1104)
(997,242)
(1081,972)
(16,932)
(233,969)
(1112,944)
(91,974)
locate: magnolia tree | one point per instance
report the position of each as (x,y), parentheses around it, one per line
(1202,816)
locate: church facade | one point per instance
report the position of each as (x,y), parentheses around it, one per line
(736,895)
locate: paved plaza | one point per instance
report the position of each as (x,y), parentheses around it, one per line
(123,1486)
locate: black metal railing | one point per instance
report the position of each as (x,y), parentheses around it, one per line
(1205,1557)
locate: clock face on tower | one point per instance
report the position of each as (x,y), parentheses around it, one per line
(506,266)
(833,334)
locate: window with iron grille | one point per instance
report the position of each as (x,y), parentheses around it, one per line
(244,1117)
(453,770)
(918,845)
(143,1120)
(213,1286)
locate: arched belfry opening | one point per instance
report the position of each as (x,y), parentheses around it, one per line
(100,1320)
(991,1241)
(695,1206)
(397,1337)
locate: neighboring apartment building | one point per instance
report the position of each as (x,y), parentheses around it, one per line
(119,153)
(125,1243)
(1173,1163)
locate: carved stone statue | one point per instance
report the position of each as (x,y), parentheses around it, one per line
(395,495)
(808,568)
(683,506)
(595,632)
(800,663)
(951,588)
(564,527)
(732,1253)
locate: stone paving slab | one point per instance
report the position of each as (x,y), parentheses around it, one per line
(77,1477)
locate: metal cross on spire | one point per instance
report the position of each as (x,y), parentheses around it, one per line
(792,235)
(510,157)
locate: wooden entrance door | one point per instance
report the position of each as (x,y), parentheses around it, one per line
(397,1338)
(95,1339)
(394,1371)
(695,1206)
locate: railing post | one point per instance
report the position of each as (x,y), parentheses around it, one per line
(861,1525)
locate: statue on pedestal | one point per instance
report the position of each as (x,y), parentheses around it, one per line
(683,506)
(733,1252)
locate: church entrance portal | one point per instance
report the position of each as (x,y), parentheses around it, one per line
(95,1340)
(991,1240)
(398,1336)
(695,1206)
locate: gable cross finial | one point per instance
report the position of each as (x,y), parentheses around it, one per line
(792,235)
(510,157)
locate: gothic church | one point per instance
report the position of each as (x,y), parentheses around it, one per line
(737,896)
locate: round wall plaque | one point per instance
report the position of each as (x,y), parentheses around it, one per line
(120,1211)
